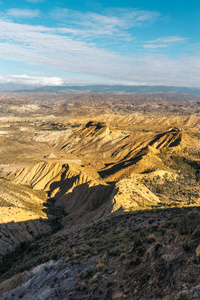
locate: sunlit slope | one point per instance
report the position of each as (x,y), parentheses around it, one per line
(83,197)
(97,138)
(22,217)
(141,122)
(101,141)
(145,157)
(20,203)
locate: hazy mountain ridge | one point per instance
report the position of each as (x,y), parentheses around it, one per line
(141,89)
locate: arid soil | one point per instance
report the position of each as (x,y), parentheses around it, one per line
(99,196)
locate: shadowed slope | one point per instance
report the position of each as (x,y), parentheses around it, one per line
(95,138)
(12,234)
(151,254)
(82,197)
(143,158)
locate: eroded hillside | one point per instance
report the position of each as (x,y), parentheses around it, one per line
(22,217)
(99,171)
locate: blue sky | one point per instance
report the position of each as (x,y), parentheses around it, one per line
(80,42)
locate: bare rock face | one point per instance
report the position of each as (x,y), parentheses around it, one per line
(196,293)
(13,234)
(40,282)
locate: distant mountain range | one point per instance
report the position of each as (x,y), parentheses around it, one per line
(142,89)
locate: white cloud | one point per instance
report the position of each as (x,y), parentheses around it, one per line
(31,80)
(56,49)
(113,23)
(51,81)
(121,18)
(169,39)
(23,13)
(164,42)
(152,46)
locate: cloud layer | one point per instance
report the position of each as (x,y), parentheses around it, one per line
(113,23)
(72,47)
(164,42)
(31,80)
(23,13)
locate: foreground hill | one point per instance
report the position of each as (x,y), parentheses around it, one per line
(145,255)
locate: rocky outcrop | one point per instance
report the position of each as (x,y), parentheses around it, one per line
(12,234)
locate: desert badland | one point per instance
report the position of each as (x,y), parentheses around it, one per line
(100,195)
